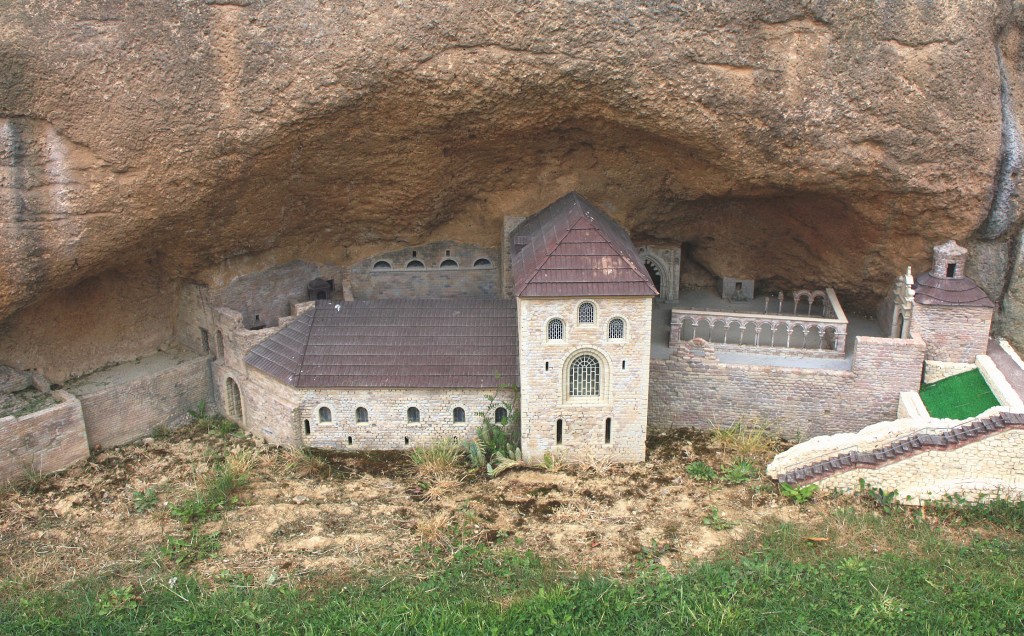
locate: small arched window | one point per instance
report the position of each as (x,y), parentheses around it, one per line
(415,265)
(413,415)
(449,264)
(501,415)
(482,262)
(305,426)
(586,312)
(585,377)
(234,399)
(617,329)
(325,414)
(556,329)
(459,414)
(382,265)
(362,416)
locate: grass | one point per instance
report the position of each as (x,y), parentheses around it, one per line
(439,461)
(747,440)
(217,491)
(875,574)
(959,396)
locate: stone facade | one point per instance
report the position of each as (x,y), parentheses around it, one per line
(625,368)
(44,441)
(693,389)
(666,262)
(388,426)
(449,269)
(952,334)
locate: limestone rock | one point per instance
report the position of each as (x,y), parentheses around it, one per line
(142,145)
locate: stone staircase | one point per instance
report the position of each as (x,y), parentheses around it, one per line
(903,448)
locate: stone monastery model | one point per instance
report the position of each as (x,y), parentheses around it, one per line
(573,325)
(591,338)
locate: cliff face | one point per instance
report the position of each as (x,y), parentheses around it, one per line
(804,142)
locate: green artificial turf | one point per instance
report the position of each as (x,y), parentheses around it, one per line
(959,396)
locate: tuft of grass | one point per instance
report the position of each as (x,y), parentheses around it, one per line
(740,472)
(439,461)
(216,493)
(715,521)
(144,500)
(747,440)
(701,471)
(193,548)
(304,462)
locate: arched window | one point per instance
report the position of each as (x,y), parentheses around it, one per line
(234,399)
(361,415)
(616,329)
(325,414)
(459,414)
(556,329)
(482,262)
(305,426)
(382,265)
(414,265)
(558,432)
(449,264)
(413,415)
(220,345)
(501,415)
(585,377)
(586,312)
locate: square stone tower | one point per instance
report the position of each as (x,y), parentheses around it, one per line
(583,301)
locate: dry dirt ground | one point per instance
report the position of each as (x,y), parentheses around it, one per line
(359,513)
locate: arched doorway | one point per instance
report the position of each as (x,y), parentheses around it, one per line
(655,272)
(233,398)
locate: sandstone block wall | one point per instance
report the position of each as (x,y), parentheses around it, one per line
(123,413)
(44,441)
(269,408)
(952,334)
(388,427)
(993,465)
(694,389)
(625,367)
(432,281)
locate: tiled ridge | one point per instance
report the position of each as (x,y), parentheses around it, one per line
(903,448)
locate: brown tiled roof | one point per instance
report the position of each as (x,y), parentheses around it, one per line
(572,248)
(414,343)
(952,292)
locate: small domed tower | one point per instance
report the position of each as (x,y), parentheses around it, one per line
(952,314)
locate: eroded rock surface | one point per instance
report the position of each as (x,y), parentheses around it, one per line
(799,142)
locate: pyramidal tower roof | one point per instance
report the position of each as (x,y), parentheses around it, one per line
(573,249)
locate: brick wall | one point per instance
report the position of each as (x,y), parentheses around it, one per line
(432,281)
(543,368)
(123,413)
(952,334)
(694,389)
(388,427)
(47,440)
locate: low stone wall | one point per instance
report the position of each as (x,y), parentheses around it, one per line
(693,389)
(952,334)
(999,386)
(44,441)
(123,413)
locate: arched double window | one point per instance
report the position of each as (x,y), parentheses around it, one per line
(362,416)
(556,329)
(585,376)
(586,312)
(616,329)
(325,414)
(413,414)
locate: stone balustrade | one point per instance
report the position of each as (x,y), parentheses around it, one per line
(770,330)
